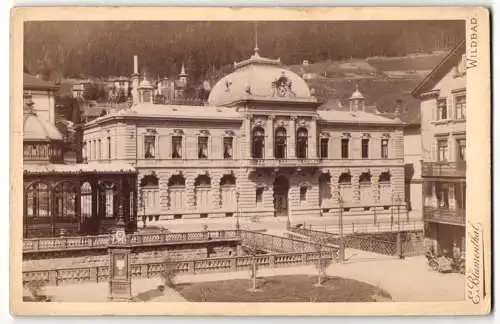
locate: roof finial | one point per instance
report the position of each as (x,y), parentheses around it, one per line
(256,34)
(357,86)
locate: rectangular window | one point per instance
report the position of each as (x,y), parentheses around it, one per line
(460,107)
(149,146)
(364,148)
(202,147)
(461,150)
(176,147)
(442,110)
(442,192)
(442,150)
(109,148)
(303,193)
(259,192)
(323,148)
(228,147)
(384,149)
(345,148)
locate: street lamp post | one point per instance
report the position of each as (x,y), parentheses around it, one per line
(341,226)
(143,205)
(399,237)
(237,212)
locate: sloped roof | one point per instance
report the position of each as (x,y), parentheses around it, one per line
(32,82)
(174,111)
(440,70)
(92,167)
(360,117)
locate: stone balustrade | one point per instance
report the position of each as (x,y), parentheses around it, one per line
(154,269)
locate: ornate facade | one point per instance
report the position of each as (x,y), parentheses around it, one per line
(259,148)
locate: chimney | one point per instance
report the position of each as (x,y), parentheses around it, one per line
(399,106)
(135,82)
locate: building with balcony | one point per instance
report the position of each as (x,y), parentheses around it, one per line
(260,148)
(443,108)
(65,198)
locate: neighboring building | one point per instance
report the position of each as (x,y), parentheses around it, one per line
(70,199)
(172,91)
(443,109)
(42,94)
(261,148)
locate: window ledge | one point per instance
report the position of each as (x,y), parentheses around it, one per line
(441,122)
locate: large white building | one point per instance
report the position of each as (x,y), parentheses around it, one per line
(42,94)
(259,149)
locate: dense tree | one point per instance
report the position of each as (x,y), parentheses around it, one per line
(106,48)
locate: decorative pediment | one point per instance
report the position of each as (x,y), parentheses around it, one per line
(302,122)
(346,135)
(386,135)
(178,132)
(204,132)
(151,131)
(229,133)
(365,135)
(324,135)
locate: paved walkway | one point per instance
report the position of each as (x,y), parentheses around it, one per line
(405,280)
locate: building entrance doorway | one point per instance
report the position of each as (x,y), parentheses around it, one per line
(280,194)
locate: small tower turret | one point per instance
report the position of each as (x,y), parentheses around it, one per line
(183,76)
(357,101)
(135,82)
(145,91)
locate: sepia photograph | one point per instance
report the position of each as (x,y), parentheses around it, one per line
(250,158)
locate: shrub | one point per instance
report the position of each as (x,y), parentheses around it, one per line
(169,272)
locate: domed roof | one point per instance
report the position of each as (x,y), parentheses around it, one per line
(259,78)
(38,129)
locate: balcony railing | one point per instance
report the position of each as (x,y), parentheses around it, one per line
(274,163)
(443,169)
(445,216)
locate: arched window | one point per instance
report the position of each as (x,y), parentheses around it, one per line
(150,195)
(38,201)
(345,187)
(384,184)
(176,192)
(65,194)
(280,143)
(86,200)
(258,138)
(325,189)
(202,192)
(365,184)
(228,191)
(302,138)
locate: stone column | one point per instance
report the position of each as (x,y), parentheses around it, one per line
(269,140)
(375,187)
(311,149)
(355,186)
(244,152)
(190,197)
(290,149)
(216,198)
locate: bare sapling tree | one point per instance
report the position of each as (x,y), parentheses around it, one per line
(253,252)
(323,262)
